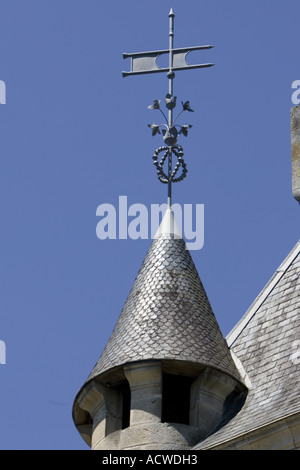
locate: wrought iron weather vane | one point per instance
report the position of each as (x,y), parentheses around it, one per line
(144,63)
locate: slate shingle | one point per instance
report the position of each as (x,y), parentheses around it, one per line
(269,349)
(167,315)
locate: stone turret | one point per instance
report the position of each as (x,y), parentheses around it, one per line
(166,376)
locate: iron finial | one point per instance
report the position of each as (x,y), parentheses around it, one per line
(145,62)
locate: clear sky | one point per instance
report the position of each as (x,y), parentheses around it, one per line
(74,135)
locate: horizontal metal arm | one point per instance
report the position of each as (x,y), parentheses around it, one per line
(126,55)
(158,70)
(145,62)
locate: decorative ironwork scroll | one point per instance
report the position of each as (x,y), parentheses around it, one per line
(144,63)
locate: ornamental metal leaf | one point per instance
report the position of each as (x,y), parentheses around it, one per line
(186,106)
(155,105)
(170,101)
(155,129)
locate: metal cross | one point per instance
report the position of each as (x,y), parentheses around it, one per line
(144,63)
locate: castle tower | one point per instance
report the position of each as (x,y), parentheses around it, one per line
(166,378)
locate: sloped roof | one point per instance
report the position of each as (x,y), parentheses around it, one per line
(267,342)
(167,314)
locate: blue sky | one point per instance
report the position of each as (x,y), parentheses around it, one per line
(74,135)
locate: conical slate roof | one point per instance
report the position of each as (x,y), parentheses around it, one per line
(167,314)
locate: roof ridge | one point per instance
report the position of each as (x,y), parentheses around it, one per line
(277,276)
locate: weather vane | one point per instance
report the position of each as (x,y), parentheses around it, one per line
(145,62)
